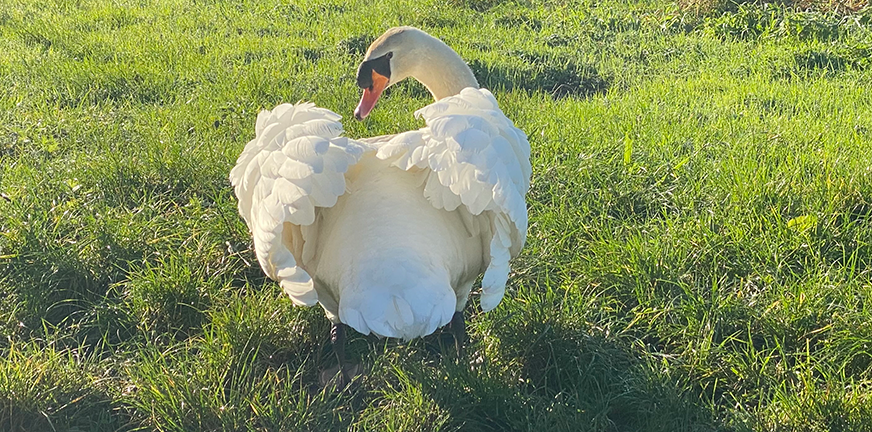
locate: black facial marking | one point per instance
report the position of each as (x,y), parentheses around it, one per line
(382,65)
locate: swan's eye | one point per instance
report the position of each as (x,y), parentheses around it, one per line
(390,54)
(381,66)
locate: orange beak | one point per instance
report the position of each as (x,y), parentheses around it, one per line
(370,95)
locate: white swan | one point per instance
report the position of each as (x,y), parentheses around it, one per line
(390,233)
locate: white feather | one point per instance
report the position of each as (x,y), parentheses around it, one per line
(387,233)
(278,179)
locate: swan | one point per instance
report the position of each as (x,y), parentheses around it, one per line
(388,234)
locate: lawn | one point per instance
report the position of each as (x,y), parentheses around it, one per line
(700,247)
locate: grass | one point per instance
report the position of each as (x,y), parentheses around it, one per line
(700,247)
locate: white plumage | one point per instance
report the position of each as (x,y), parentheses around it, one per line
(390,233)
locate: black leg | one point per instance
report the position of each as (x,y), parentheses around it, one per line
(458,329)
(337,338)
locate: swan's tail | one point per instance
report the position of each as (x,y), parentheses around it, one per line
(399,301)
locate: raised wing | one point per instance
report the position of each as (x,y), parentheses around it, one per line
(295,164)
(479,159)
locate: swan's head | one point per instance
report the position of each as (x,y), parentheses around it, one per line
(389,60)
(404,52)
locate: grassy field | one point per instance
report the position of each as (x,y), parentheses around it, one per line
(700,246)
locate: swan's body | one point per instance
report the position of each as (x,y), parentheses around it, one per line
(391,257)
(389,233)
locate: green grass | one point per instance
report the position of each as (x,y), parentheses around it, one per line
(700,246)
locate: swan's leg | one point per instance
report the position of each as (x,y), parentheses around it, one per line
(458,329)
(337,338)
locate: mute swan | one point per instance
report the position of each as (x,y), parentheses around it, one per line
(389,234)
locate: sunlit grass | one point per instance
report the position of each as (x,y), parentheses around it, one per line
(700,245)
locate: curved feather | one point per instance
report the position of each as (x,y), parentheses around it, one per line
(469,159)
(294,166)
(478,158)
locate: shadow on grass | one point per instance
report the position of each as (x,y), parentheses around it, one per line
(718,7)
(90,412)
(46,389)
(99,281)
(530,375)
(814,61)
(58,292)
(559,79)
(595,380)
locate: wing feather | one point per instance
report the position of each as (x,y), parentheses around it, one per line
(479,159)
(295,165)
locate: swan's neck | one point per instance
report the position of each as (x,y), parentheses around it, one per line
(442,70)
